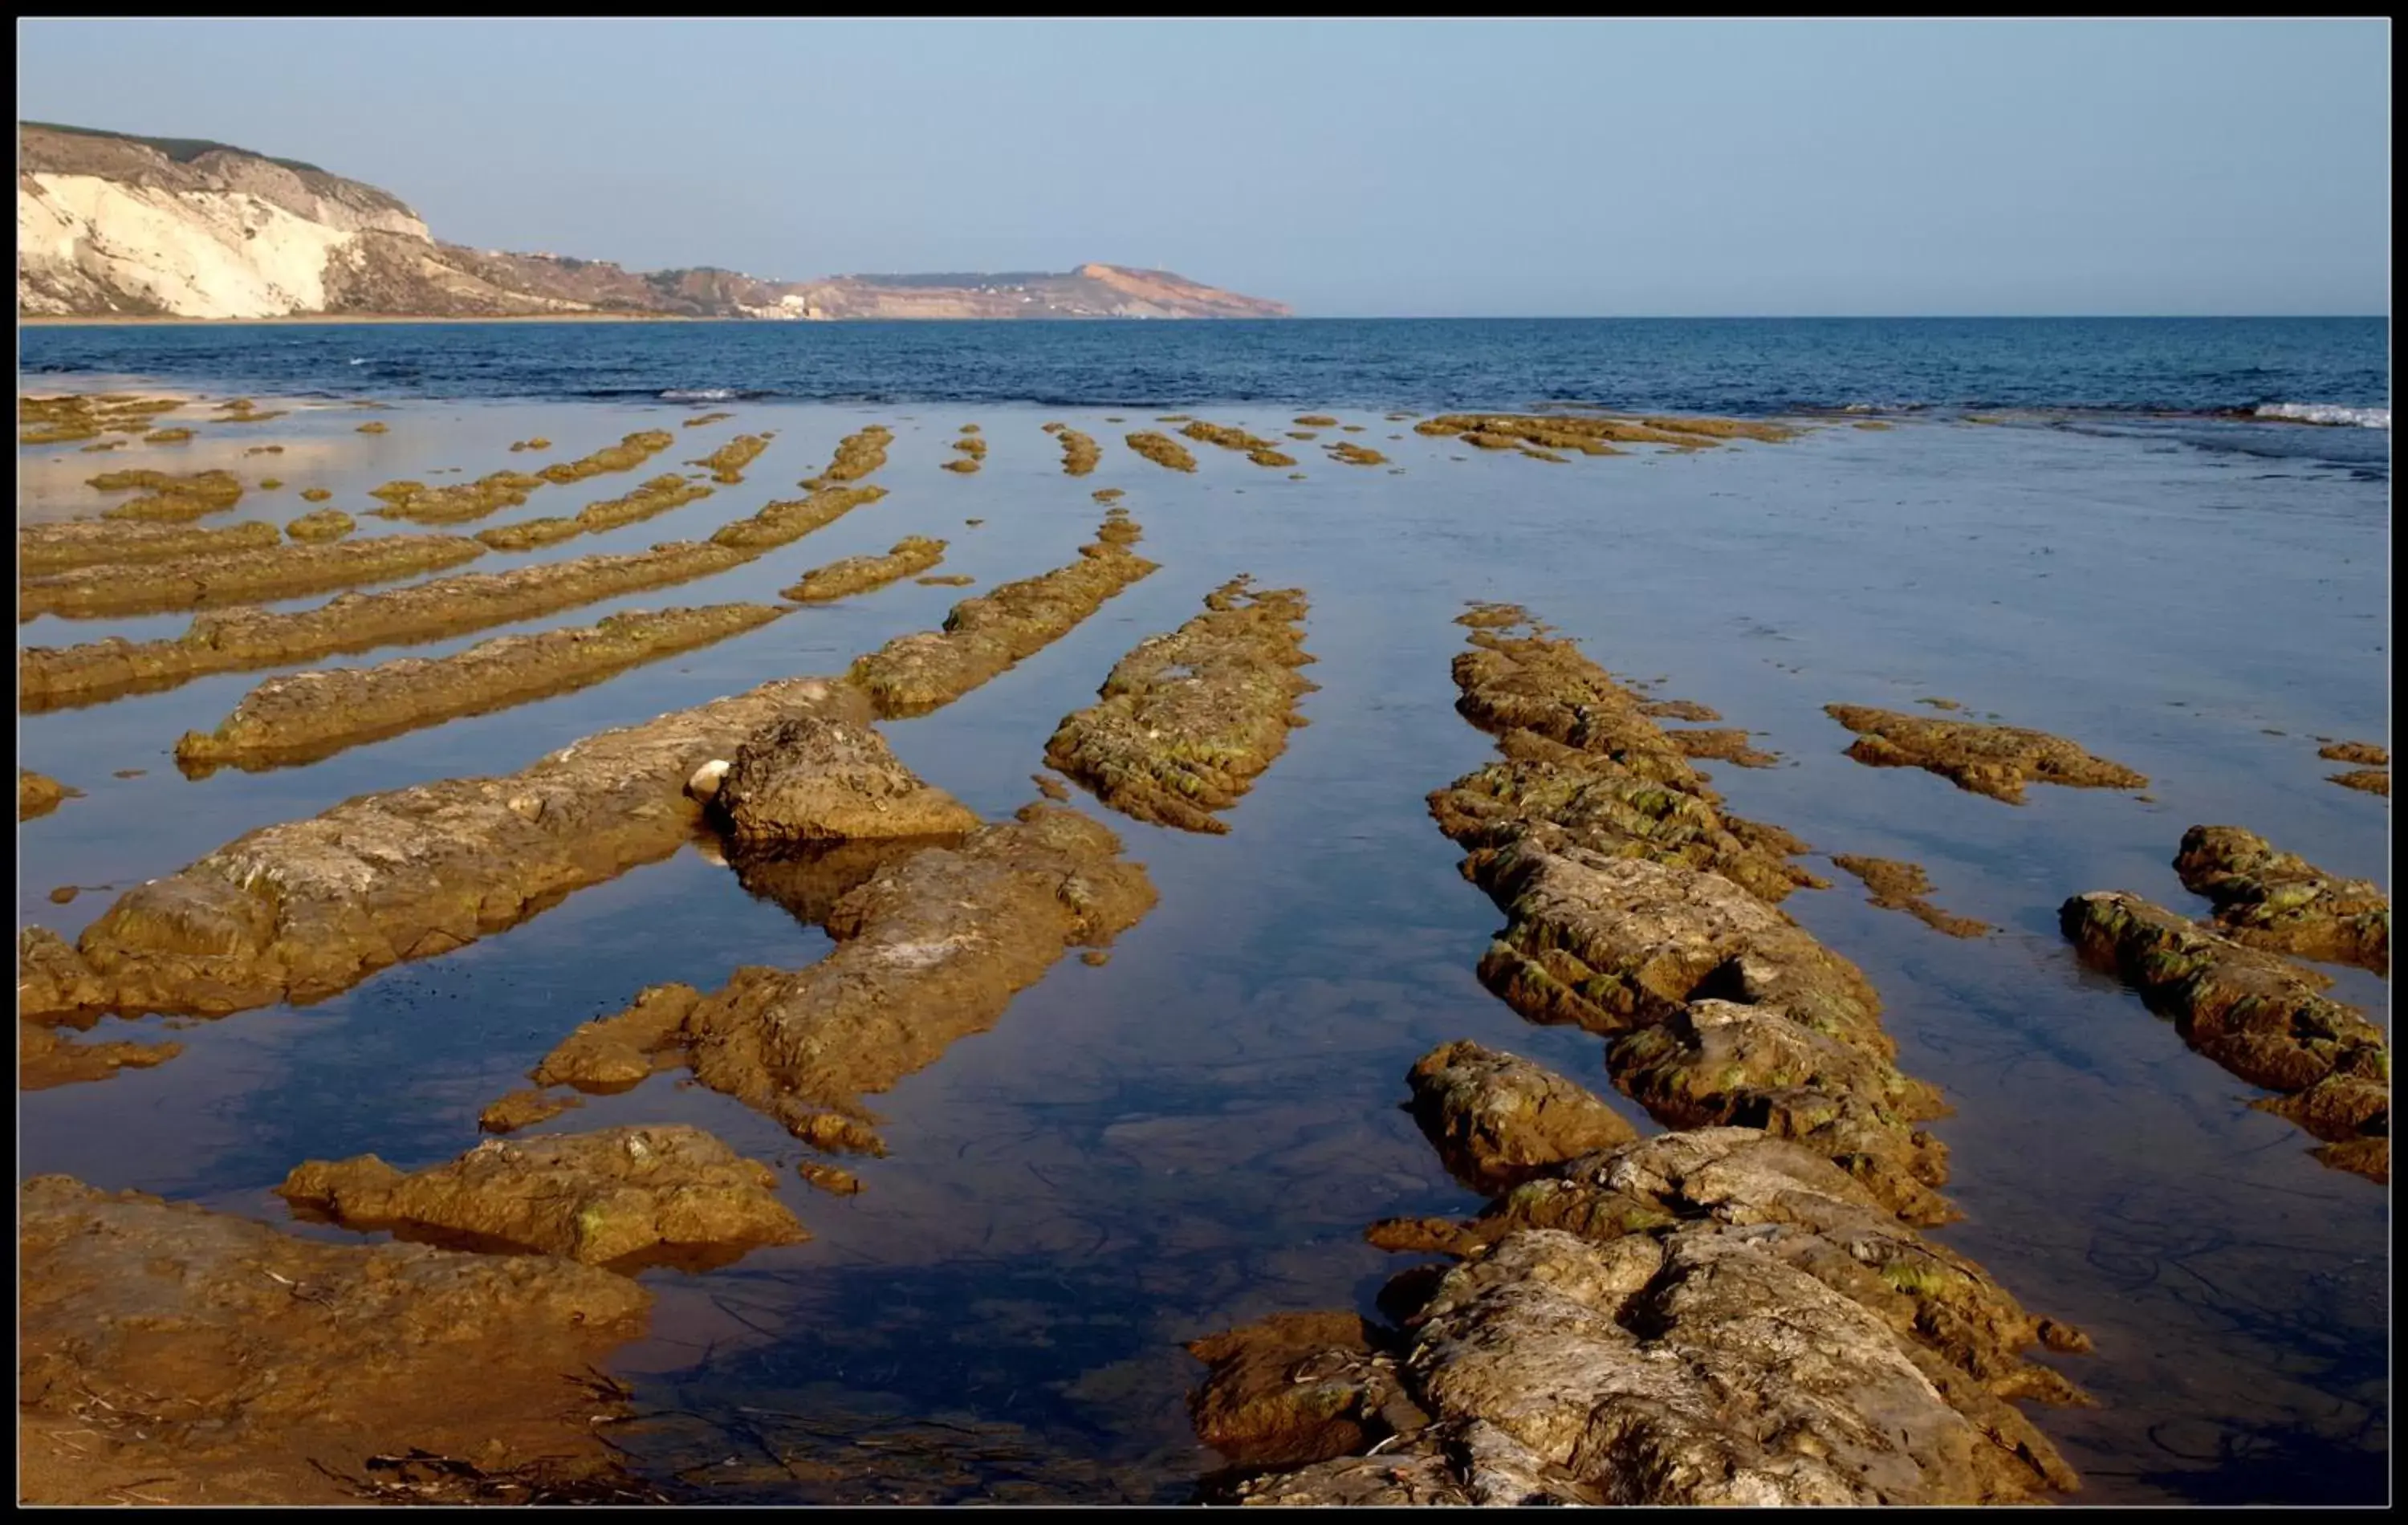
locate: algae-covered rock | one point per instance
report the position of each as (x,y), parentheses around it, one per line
(232,577)
(457,504)
(984,636)
(1081,455)
(65,544)
(320,527)
(1189,719)
(167,497)
(235,640)
(1497,1120)
(787,520)
(524,1108)
(2258,1016)
(1995,760)
(1351,454)
(618,1196)
(1161,449)
(1895,885)
(814,777)
(310,715)
(858,455)
(654,498)
(2282,902)
(631,452)
(860,574)
(727,463)
(1298,1387)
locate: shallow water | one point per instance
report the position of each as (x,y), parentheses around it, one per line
(1195,1133)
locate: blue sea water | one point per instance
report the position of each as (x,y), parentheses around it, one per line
(1746,365)
(1195,1133)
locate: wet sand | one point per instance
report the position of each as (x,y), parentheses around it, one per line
(1195,1134)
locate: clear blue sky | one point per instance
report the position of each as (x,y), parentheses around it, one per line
(1425,168)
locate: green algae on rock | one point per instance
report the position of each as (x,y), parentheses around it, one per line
(320,527)
(911,555)
(986,634)
(1895,885)
(2258,1016)
(1994,761)
(302,909)
(457,504)
(63,420)
(631,452)
(234,577)
(1187,720)
(1497,1120)
(621,1198)
(169,499)
(65,544)
(2282,902)
(1161,449)
(308,716)
(1352,454)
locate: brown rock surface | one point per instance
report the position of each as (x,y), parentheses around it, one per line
(38,794)
(1161,449)
(910,555)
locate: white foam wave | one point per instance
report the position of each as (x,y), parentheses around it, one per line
(2326,412)
(707,394)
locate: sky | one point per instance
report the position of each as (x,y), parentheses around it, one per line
(1352,169)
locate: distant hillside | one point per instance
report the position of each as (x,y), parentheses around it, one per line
(108,224)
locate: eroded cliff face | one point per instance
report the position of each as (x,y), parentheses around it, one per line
(164,227)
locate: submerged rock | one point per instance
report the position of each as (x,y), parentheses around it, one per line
(1189,719)
(2282,902)
(825,778)
(617,1197)
(233,577)
(1895,885)
(48,1058)
(201,1358)
(1995,760)
(928,951)
(2258,1016)
(524,1109)
(1298,1387)
(312,715)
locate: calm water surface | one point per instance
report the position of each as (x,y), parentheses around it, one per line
(1196,1132)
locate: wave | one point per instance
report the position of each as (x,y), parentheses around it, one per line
(702,394)
(2326,412)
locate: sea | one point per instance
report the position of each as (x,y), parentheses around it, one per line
(2168,539)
